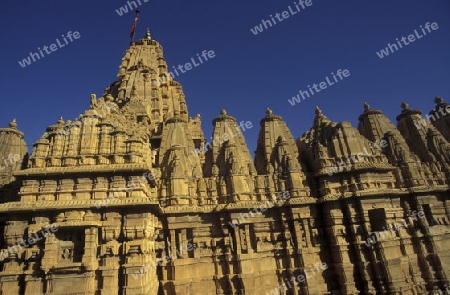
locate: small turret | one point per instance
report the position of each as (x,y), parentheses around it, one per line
(415,129)
(375,126)
(425,141)
(13,152)
(228,157)
(440,117)
(277,156)
(332,148)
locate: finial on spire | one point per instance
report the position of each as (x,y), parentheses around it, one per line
(13,124)
(60,121)
(147,35)
(366,106)
(223,112)
(318,111)
(269,111)
(438,100)
(405,106)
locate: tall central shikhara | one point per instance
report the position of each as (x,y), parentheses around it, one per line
(134,208)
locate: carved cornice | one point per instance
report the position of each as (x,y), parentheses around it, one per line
(75,204)
(84,169)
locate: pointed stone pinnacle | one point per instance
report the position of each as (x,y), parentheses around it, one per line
(13,124)
(438,100)
(318,111)
(405,106)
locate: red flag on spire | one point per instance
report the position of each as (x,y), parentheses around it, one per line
(133,27)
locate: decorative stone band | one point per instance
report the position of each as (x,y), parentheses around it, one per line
(382,167)
(123,202)
(73,204)
(85,169)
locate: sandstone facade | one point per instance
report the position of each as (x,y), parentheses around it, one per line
(130,199)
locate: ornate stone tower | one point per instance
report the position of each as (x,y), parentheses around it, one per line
(130,199)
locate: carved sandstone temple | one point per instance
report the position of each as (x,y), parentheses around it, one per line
(139,203)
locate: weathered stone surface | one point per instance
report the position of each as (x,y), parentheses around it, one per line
(130,199)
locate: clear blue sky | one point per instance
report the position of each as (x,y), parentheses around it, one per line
(249,73)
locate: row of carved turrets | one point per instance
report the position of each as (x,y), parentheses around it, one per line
(341,158)
(142,121)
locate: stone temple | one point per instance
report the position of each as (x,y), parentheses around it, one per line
(131,199)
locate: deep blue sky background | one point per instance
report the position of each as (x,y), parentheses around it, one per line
(248,74)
